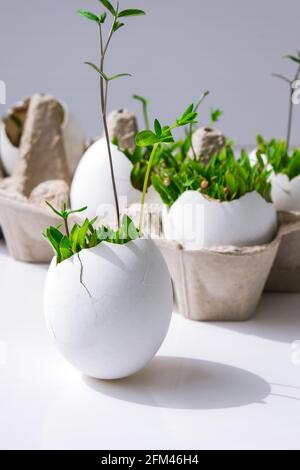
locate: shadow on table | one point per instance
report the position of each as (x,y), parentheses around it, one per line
(277,318)
(183,383)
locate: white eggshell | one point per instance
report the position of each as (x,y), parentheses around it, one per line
(286,192)
(74,143)
(74,139)
(92,185)
(198,222)
(110,325)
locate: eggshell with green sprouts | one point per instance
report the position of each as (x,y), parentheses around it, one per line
(196,221)
(286,192)
(109,308)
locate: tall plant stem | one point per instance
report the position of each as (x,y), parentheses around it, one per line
(103,100)
(290,120)
(67,227)
(145,187)
(191,127)
(146,117)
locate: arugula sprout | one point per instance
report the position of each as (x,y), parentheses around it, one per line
(224,178)
(105,80)
(159,136)
(85,235)
(277,155)
(169,154)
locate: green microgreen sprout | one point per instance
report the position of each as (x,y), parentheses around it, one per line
(85,235)
(277,155)
(224,178)
(144,102)
(116,23)
(191,126)
(169,155)
(160,135)
(65,214)
(277,152)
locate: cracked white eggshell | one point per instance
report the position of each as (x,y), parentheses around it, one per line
(286,192)
(92,184)
(74,143)
(110,325)
(198,222)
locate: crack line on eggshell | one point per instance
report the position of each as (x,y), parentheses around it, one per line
(81,277)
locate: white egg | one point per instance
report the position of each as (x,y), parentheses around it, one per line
(286,192)
(74,142)
(110,310)
(198,222)
(92,185)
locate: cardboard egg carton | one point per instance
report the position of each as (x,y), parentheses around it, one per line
(42,172)
(226,283)
(285,272)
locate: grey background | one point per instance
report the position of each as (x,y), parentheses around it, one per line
(181,48)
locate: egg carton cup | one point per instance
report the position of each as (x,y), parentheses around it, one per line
(223,283)
(23,224)
(285,272)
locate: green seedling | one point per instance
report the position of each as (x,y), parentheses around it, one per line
(278,157)
(155,138)
(85,235)
(117,22)
(224,178)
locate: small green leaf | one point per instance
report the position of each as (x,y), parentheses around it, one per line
(119,75)
(74,211)
(294,165)
(293,58)
(105,77)
(117,26)
(102,17)
(188,110)
(231,182)
(146,139)
(109,7)
(83,232)
(132,12)
(166,135)
(53,209)
(157,128)
(89,15)
(93,241)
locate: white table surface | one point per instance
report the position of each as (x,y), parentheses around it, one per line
(212,386)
